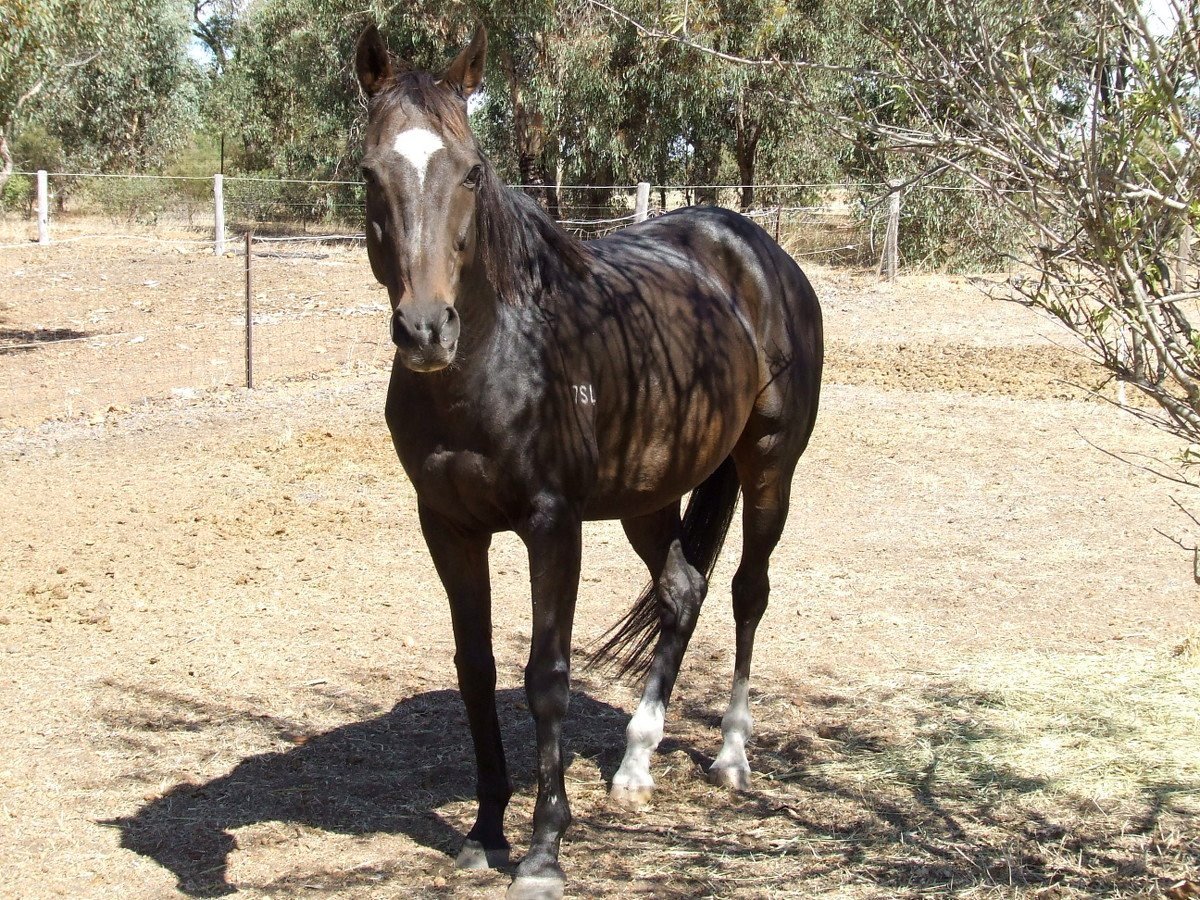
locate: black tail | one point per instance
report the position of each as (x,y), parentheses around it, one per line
(628,645)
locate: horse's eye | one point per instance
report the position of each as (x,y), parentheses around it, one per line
(472,179)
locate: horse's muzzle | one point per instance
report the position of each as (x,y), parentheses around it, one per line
(427,338)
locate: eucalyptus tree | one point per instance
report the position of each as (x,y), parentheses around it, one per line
(606,105)
(755,104)
(521,38)
(214,24)
(298,107)
(110,80)
(697,119)
(292,103)
(41,41)
(132,105)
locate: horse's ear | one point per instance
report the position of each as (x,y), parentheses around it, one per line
(466,72)
(372,62)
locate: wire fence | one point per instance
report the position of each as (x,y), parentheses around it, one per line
(133,205)
(129,303)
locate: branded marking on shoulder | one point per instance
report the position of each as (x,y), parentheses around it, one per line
(417,146)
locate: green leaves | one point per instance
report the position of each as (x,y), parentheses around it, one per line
(612,107)
(110,80)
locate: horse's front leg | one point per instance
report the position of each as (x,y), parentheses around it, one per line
(461,560)
(552,536)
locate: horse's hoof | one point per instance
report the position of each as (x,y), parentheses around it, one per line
(733,777)
(525,887)
(474,856)
(631,796)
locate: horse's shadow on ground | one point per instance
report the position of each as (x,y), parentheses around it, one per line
(388,774)
(980,823)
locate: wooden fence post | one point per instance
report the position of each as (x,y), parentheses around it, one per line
(1123,358)
(43,207)
(889,259)
(249,309)
(1183,262)
(641,209)
(219,215)
(891,246)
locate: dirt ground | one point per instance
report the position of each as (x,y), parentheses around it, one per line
(89,324)
(226,662)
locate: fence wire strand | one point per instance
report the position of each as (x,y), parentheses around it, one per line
(148,311)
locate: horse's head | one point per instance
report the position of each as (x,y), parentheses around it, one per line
(422,167)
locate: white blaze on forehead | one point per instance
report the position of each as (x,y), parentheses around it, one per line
(417,146)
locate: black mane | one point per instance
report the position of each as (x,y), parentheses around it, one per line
(592,380)
(525,253)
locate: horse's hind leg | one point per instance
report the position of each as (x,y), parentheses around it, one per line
(766,487)
(681,590)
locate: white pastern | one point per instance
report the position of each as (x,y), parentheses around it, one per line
(643,735)
(736,726)
(417,146)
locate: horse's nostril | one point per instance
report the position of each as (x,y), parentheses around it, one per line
(448,331)
(425,328)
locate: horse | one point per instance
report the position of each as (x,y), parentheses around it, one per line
(540,381)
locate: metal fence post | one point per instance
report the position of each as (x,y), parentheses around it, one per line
(641,209)
(43,207)
(249,309)
(219,215)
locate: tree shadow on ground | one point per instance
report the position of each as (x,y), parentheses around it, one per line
(23,340)
(386,774)
(840,793)
(928,805)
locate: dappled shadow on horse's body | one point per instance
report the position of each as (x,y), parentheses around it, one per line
(389,774)
(539,383)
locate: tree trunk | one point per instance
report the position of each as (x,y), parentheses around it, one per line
(706,164)
(746,177)
(529,141)
(529,136)
(746,151)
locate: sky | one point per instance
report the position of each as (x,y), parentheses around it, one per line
(1159,15)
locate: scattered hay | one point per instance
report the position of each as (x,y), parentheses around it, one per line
(1078,775)
(1188,650)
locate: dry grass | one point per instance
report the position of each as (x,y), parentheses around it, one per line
(1188,650)
(1040,775)
(74,227)
(1062,776)
(225,661)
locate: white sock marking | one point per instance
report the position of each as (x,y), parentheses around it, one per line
(417,146)
(736,726)
(643,735)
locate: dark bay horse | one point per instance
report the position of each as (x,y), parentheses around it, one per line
(540,381)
